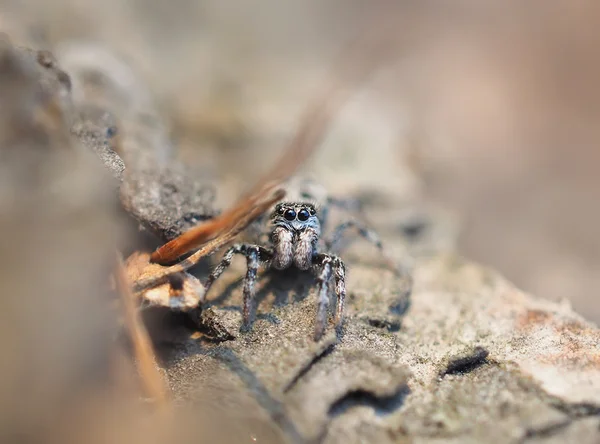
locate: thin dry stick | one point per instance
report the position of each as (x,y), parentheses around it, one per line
(208,248)
(196,236)
(152,382)
(314,123)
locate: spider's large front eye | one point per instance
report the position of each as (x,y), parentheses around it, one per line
(303,215)
(290,215)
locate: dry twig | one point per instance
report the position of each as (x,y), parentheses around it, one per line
(236,226)
(152,382)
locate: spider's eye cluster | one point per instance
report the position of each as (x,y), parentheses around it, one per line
(303,215)
(289,214)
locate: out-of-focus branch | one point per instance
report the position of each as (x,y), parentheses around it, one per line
(152,382)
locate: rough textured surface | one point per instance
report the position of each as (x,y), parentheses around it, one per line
(466,357)
(118,120)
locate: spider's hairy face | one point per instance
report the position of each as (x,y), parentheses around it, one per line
(296,231)
(296,216)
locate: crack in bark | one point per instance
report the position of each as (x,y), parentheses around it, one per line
(385,324)
(466,364)
(275,408)
(383,405)
(306,368)
(575,412)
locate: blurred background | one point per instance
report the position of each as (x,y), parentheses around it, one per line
(488,109)
(484,111)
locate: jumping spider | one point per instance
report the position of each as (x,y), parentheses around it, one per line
(294,238)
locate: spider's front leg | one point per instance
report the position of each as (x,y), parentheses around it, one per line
(327,265)
(254,254)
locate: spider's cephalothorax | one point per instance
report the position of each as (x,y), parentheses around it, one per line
(294,235)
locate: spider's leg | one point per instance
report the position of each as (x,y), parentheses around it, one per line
(362,229)
(366,233)
(252,258)
(340,289)
(349,204)
(242,249)
(254,254)
(323,262)
(224,264)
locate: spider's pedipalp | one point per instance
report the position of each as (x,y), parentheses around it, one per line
(282,239)
(305,248)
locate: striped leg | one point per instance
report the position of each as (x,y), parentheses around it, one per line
(340,289)
(254,254)
(252,257)
(327,266)
(323,263)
